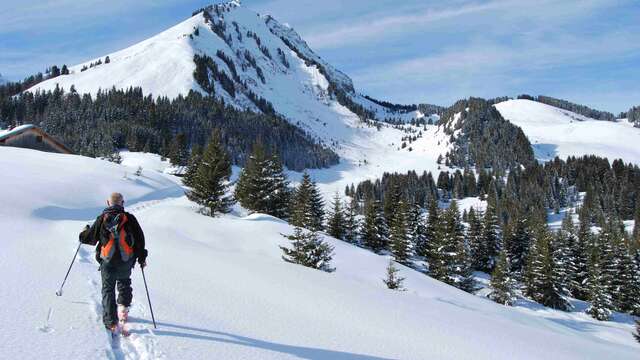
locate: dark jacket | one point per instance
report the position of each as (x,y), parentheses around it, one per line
(95,235)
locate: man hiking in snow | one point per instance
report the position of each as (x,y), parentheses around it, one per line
(119,242)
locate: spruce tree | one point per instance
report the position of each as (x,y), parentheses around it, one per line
(352,222)
(418,230)
(390,203)
(453,267)
(582,255)
(307,206)
(308,250)
(374,233)
(190,174)
(399,235)
(178,150)
(625,289)
(474,237)
(601,303)
(502,282)
(637,333)
(393,281)
(431,234)
(210,182)
(518,243)
(636,226)
(544,278)
(336,224)
(262,186)
(488,248)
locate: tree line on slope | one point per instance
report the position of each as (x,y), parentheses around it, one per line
(573,107)
(114,119)
(482,138)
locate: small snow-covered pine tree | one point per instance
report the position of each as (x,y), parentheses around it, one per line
(601,304)
(490,238)
(374,230)
(474,238)
(417,230)
(398,233)
(308,250)
(307,206)
(262,186)
(192,168)
(502,282)
(352,222)
(211,180)
(637,333)
(393,281)
(336,219)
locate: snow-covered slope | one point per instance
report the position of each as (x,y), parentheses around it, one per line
(221,290)
(556,132)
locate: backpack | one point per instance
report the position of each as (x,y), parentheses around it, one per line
(115,236)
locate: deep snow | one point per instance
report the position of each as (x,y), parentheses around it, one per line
(556,132)
(220,289)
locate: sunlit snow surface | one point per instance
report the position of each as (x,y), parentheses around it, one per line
(221,290)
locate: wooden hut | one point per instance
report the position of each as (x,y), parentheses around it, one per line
(32,137)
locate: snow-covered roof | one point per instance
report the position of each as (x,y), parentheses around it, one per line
(6,133)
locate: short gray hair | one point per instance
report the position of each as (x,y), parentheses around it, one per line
(116,199)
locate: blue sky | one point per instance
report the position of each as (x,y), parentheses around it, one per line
(408,51)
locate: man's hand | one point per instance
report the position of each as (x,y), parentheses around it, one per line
(84,231)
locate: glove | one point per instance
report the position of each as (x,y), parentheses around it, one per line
(83,233)
(142,260)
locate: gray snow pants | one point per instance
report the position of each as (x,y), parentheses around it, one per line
(111,276)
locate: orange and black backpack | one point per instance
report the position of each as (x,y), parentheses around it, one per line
(115,238)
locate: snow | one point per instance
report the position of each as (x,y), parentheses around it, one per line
(219,285)
(556,132)
(146,161)
(5,133)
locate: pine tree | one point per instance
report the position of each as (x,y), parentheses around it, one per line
(190,174)
(178,150)
(474,237)
(543,280)
(502,282)
(352,223)
(393,281)
(636,226)
(625,289)
(398,234)
(453,267)
(518,243)
(308,250)
(374,232)
(601,303)
(336,224)
(582,253)
(262,186)
(488,248)
(431,233)
(570,239)
(211,179)
(418,230)
(391,199)
(637,333)
(307,206)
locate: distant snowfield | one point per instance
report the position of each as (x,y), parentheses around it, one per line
(556,132)
(220,289)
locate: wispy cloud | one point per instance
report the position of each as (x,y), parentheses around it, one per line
(374,26)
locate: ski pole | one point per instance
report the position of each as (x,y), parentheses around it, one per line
(59,292)
(148,298)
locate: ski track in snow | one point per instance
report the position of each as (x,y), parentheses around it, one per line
(141,344)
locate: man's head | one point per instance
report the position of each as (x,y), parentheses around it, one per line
(115,199)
